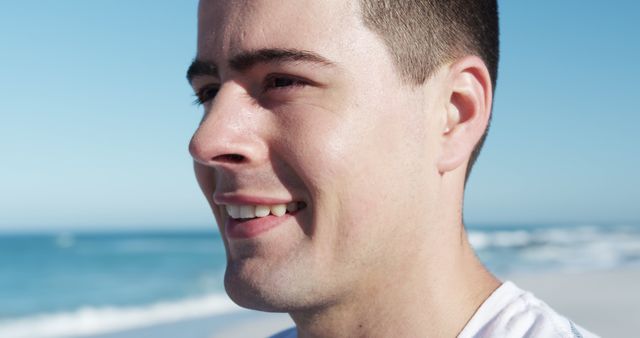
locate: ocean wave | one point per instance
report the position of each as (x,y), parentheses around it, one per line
(576,248)
(99,320)
(518,238)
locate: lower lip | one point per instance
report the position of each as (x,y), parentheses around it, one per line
(243,229)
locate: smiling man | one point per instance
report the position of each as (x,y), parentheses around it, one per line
(334,149)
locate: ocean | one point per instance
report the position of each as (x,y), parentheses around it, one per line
(73,284)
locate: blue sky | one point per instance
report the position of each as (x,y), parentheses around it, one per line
(95,116)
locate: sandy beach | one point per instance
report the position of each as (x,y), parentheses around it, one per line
(243,323)
(605,302)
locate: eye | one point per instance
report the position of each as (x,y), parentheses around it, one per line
(282,82)
(206,94)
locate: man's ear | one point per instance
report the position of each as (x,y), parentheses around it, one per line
(467,111)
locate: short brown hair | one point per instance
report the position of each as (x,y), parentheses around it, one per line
(422,35)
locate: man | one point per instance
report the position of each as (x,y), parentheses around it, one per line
(335,145)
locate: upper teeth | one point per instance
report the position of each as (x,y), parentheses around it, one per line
(250,211)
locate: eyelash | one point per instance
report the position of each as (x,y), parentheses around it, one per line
(205,94)
(208,93)
(292,82)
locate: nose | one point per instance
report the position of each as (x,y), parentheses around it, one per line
(229,132)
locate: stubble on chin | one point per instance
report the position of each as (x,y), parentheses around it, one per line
(265,284)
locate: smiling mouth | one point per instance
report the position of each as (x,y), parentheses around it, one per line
(243,212)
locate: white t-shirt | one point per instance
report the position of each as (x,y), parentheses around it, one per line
(513,313)
(510,312)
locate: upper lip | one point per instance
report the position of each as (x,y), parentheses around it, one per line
(241,199)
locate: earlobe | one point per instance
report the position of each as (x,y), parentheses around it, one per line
(468,110)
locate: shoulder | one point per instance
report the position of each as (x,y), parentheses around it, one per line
(513,312)
(289,333)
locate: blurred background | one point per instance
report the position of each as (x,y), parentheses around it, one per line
(102,225)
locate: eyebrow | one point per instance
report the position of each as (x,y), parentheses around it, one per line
(246,60)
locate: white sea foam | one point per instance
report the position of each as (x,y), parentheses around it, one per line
(489,239)
(500,239)
(566,248)
(98,320)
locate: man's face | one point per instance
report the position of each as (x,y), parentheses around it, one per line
(310,110)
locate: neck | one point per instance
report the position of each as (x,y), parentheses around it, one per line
(433,294)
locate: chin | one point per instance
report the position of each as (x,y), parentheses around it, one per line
(250,286)
(263,290)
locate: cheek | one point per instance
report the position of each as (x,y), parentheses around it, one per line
(359,161)
(207,182)
(381,169)
(316,142)
(349,162)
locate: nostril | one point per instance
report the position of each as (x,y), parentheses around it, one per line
(229,158)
